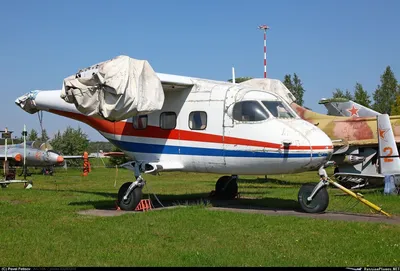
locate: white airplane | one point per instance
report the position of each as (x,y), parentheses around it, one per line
(206,126)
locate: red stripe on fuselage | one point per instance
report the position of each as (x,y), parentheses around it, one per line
(126,128)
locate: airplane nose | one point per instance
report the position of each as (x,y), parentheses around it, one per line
(320,145)
(322,148)
(60,159)
(18,157)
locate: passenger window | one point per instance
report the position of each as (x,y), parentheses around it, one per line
(168,120)
(139,122)
(198,120)
(249,111)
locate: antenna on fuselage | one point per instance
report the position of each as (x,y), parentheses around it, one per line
(233,75)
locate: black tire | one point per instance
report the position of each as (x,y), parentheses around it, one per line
(226,188)
(133,199)
(318,204)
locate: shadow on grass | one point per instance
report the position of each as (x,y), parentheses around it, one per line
(103,194)
(269,181)
(203,199)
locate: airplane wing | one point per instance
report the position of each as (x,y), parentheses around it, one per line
(77,156)
(172,82)
(340,146)
(114,154)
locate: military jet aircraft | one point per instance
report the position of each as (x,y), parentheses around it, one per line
(35,157)
(355,141)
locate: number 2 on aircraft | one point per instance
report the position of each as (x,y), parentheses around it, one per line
(388,152)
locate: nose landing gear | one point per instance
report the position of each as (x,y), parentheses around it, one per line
(314,198)
(130,193)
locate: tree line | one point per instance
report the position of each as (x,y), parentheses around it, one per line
(385,98)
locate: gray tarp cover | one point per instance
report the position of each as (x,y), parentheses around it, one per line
(115,90)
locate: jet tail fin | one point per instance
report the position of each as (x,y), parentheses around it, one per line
(389,160)
(347,108)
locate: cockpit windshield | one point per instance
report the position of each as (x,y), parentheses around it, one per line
(249,111)
(278,109)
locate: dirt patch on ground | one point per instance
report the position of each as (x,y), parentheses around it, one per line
(114,212)
(264,211)
(327,215)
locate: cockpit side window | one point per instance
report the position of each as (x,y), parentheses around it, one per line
(278,109)
(249,111)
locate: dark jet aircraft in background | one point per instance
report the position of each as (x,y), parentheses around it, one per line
(36,156)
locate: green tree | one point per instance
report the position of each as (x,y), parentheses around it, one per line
(287,81)
(44,137)
(386,93)
(361,96)
(71,142)
(240,79)
(395,110)
(298,90)
(295,86)
(32,135)
(338,93)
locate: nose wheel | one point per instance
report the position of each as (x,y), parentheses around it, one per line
(313,198)
(132,199)
(130,193)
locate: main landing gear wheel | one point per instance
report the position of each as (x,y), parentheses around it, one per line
(133,198)
(318,204)
(226,187)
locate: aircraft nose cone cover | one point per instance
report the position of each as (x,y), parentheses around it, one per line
(60,159)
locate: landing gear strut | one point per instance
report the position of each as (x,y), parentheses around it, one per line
(226,187)
(130,193)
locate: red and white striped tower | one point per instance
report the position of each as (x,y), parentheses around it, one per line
(265,28)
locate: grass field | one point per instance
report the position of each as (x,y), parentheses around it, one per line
(41,226)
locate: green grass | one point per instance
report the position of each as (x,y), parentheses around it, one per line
(41,226)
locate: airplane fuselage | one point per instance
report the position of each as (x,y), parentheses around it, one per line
(200,130)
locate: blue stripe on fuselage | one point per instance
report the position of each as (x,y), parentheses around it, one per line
(181,150)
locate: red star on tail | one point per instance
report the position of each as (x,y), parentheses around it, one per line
(353,111)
